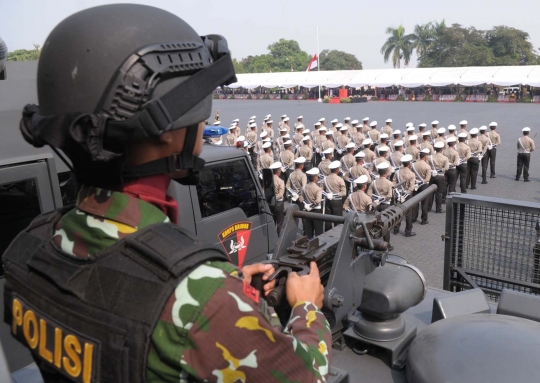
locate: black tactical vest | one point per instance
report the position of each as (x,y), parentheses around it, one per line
(92,320)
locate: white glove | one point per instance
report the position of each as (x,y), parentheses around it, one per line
(490,147)
(307,206)
(339,151)
(329,196)
(317,150)
(294,197)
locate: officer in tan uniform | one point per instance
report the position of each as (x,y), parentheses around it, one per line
(322,120)
(484,139)
(441,137)
(286,125)
(373,134)
(405,174)
(397,137)
(395,157)
(334,128)
(494,141)
(383,142)
(324,165)
(281,139)
(409,132)
(412,149)
(316,128)
(329,142)
(451,132)
(312,198)
(423,173)
(473,164)
(281,122)
(426,138)
(370,154)
(248,126)
(231,137)
(306,151)
(335,189)
(299,121)
(387,129)
(346,123)
(286,157)
(359,201)
(380,191)
(269,129)
(266,159)
(358,136)
(358,169)
(317,143)
(525,146)
(347,162)
(279,192)
(434,129)
(296,182)
(342,141)
(297,138)
(422,130)
(464,153)
(463,126)
(453,163)
(383,157)
(265,121)
(365,126)
(439,165)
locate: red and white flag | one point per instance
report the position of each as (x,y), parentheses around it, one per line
(313,64)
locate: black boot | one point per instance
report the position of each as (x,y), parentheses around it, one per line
(410,234)
(484,182)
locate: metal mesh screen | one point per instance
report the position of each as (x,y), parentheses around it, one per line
(497,248)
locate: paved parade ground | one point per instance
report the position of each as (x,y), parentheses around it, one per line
(426,250)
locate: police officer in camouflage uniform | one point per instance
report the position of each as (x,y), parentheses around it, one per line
(131,296)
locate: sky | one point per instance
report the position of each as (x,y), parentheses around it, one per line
(353,26)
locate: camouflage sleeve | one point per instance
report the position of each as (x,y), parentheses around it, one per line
(215,328)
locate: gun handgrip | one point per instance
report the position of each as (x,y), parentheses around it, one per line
(258,283)
(276,296)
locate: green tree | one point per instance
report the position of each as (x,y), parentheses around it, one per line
(510,46)
(286,54)
(25,54)
(423,38)
(399,45)
(338,60)
(238,66)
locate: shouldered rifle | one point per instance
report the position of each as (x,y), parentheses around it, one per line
(344,256)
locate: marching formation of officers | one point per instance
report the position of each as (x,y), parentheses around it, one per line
(357,166)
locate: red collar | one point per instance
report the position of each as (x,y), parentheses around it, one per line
(153,189)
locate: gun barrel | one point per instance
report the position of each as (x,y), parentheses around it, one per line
(407,205)
(318,216)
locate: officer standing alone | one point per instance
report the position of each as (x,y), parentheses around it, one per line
(525,146)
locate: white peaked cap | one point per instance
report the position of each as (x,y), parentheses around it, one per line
(241,138)
(361,180)
(435,122)
(313,171)
(383,165)
(354,122)
(493,123)
(317,123)
(373,123)
(463,122)
(350,145)
(388,120)
(276,165)
(413,137)
(236,120)
(526,129)
(232,127)
(253,117)
(384,135)
(367,141)
(334,121)
(286,119)
(343,128)
(328,151)
(406,158)
(451,127)
(306,138)
(399,143)
(474,131)
(323,129)
(267,139)
(270,122)
(462,135)
(267,145)
(334,165)
(284,116)
(451,139)
(268,115)
(365,119)
(426,134)
(347,119)
(288,142)
(217,123)
(483,127)
(329,133)
(218,142)
(286,136)
(396,132)
(439,144)
(266,118)
(409,124)
(299,126)
(283,129)
(246,144)
(425,150)
(299,117)
(322,119)
(263,134)
(383,148)
(253,125)
(251,121)
(306,131)
(360,154)
(410,129)
(422,125)
(339,125)
(300,160)
(441,131)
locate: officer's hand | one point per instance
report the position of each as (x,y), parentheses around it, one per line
(305,288)
(260,268)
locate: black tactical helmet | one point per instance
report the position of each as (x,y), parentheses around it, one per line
(118,73)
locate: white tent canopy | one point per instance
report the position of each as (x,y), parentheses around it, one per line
(409,77)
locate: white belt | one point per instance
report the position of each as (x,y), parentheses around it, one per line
(317,207)
(280,200)
(525,152)
(385,203)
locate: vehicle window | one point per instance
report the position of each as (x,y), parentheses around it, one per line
(68,188)
(19,205)
(224,186)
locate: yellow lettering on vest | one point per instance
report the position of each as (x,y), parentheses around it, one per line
(43,352)
(17,313)
(58,347)
(72,346)
(30,319)
(87,369)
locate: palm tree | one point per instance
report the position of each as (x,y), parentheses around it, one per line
(438,29)
(399,45)
(423,38)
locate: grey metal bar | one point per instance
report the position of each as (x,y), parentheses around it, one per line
(319,217)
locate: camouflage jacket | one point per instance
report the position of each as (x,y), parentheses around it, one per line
(210,328)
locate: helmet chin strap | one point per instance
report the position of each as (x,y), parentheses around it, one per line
(173,163)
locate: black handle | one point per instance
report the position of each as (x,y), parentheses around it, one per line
(258,283)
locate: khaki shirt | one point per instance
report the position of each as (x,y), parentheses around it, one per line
(379,161)
(441,139)
(527,144)
(365,128)
(297,138)
(407,142)
(414,152)
(395,159)
(426,145)
(312,194)
(251,137)
(358,201)
(305,151)
(327,144)
(405,174)
(266,160)
(438,161)
(392,143)
(287,158)
(324,167)
(279,188)
(231,139)
(388,130)
(297,180)
(348,161)
(374,135)
(484,139)
(495,137)
(452,155)
(464,131)
(279,143)
(475,145)
(370,156)
(352,130)
(383,187)
(423,170)
(434,133)
(358,170)
(342,141)
(464,151)
(286,126)
(270,132)
(334,184)
(358,138)
(318,140)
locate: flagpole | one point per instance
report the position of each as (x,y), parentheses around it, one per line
(318,62)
